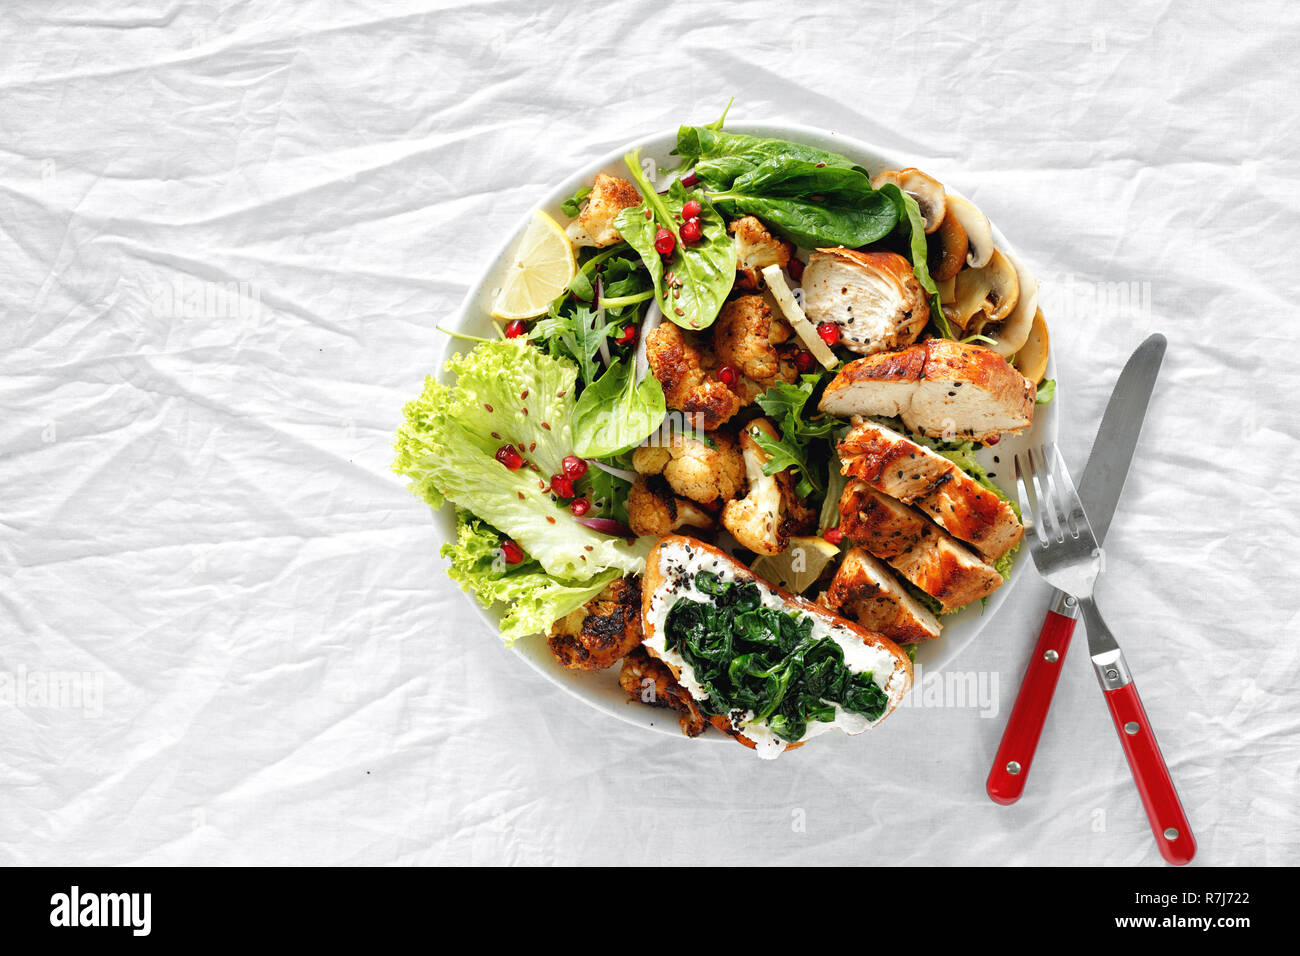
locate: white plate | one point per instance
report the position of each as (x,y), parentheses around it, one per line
(600,689)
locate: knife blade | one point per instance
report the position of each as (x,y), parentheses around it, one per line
(1100,489)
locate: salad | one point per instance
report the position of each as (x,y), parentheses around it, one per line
(767,351)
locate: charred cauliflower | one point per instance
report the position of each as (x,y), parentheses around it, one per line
(603,630)
(765,518)
(686,372)
(702,471)
(756,248)
(653,509)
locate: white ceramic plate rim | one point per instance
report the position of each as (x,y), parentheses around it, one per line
(600,689)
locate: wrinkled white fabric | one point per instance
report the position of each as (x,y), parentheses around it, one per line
(226,234)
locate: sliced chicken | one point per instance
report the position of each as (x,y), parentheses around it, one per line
(912,473)
(915,547)
(873,297)
(865,591)
(939,387)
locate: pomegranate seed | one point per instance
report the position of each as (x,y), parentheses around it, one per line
(515,329)
(834,535)
(507,455)
(579,507)
(628,336)
(512,553)
(561,487)
(730,375)
(804,362)
(795,268)
(665,242)
(994,440)
(689,181)
(691,209)
(829,332)
(691,231)
(574,467)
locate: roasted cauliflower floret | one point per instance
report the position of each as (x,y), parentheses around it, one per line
(609,196)
(649,680)
(704,471)
(686,372)
(765,518)
(746,336)
(756,248)
(603,630)
(653,509)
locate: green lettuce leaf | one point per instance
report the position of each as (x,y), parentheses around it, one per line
(534,598)
(506,392)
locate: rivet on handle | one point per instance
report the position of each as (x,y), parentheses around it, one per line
(1013,767)
(1131,728)
(1171,834)
(1051,657)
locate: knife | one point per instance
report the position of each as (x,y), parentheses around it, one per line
(1099,488)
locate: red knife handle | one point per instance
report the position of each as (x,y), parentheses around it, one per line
(1015,755)
(1164,810)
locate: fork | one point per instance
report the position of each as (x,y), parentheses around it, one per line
(1066,554)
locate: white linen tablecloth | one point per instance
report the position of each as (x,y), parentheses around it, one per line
(226,234)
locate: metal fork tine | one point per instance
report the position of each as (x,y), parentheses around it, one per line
(1078,522)
(1025,492)
(1049,514)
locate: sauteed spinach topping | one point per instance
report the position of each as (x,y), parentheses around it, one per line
(749,657)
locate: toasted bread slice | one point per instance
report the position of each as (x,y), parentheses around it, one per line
(670,572)
(898,467)
(939,388)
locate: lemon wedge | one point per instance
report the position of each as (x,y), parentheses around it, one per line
(798,566)
(541,267)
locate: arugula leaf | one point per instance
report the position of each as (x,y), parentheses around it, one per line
(1046,391)
(607,494)
(700,275)
(785,404)
(576,335)
(615,413)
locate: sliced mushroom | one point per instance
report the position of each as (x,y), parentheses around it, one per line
(993,289)
(927,191)
(1031,360)
(979,234)
(948,254)
(1010,334)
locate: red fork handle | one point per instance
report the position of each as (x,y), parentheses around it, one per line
(1015,754)
(1164,810)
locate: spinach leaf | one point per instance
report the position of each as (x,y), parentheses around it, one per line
(1046,391)
(615,413)
(765,661)
(720,157)
(699,275)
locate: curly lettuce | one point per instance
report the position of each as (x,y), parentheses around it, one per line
(506,392)
(533,598)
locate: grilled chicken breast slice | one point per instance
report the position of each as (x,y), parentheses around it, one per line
(939,388)
(865,590)
(915,547)
(873,297)
(899,467)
